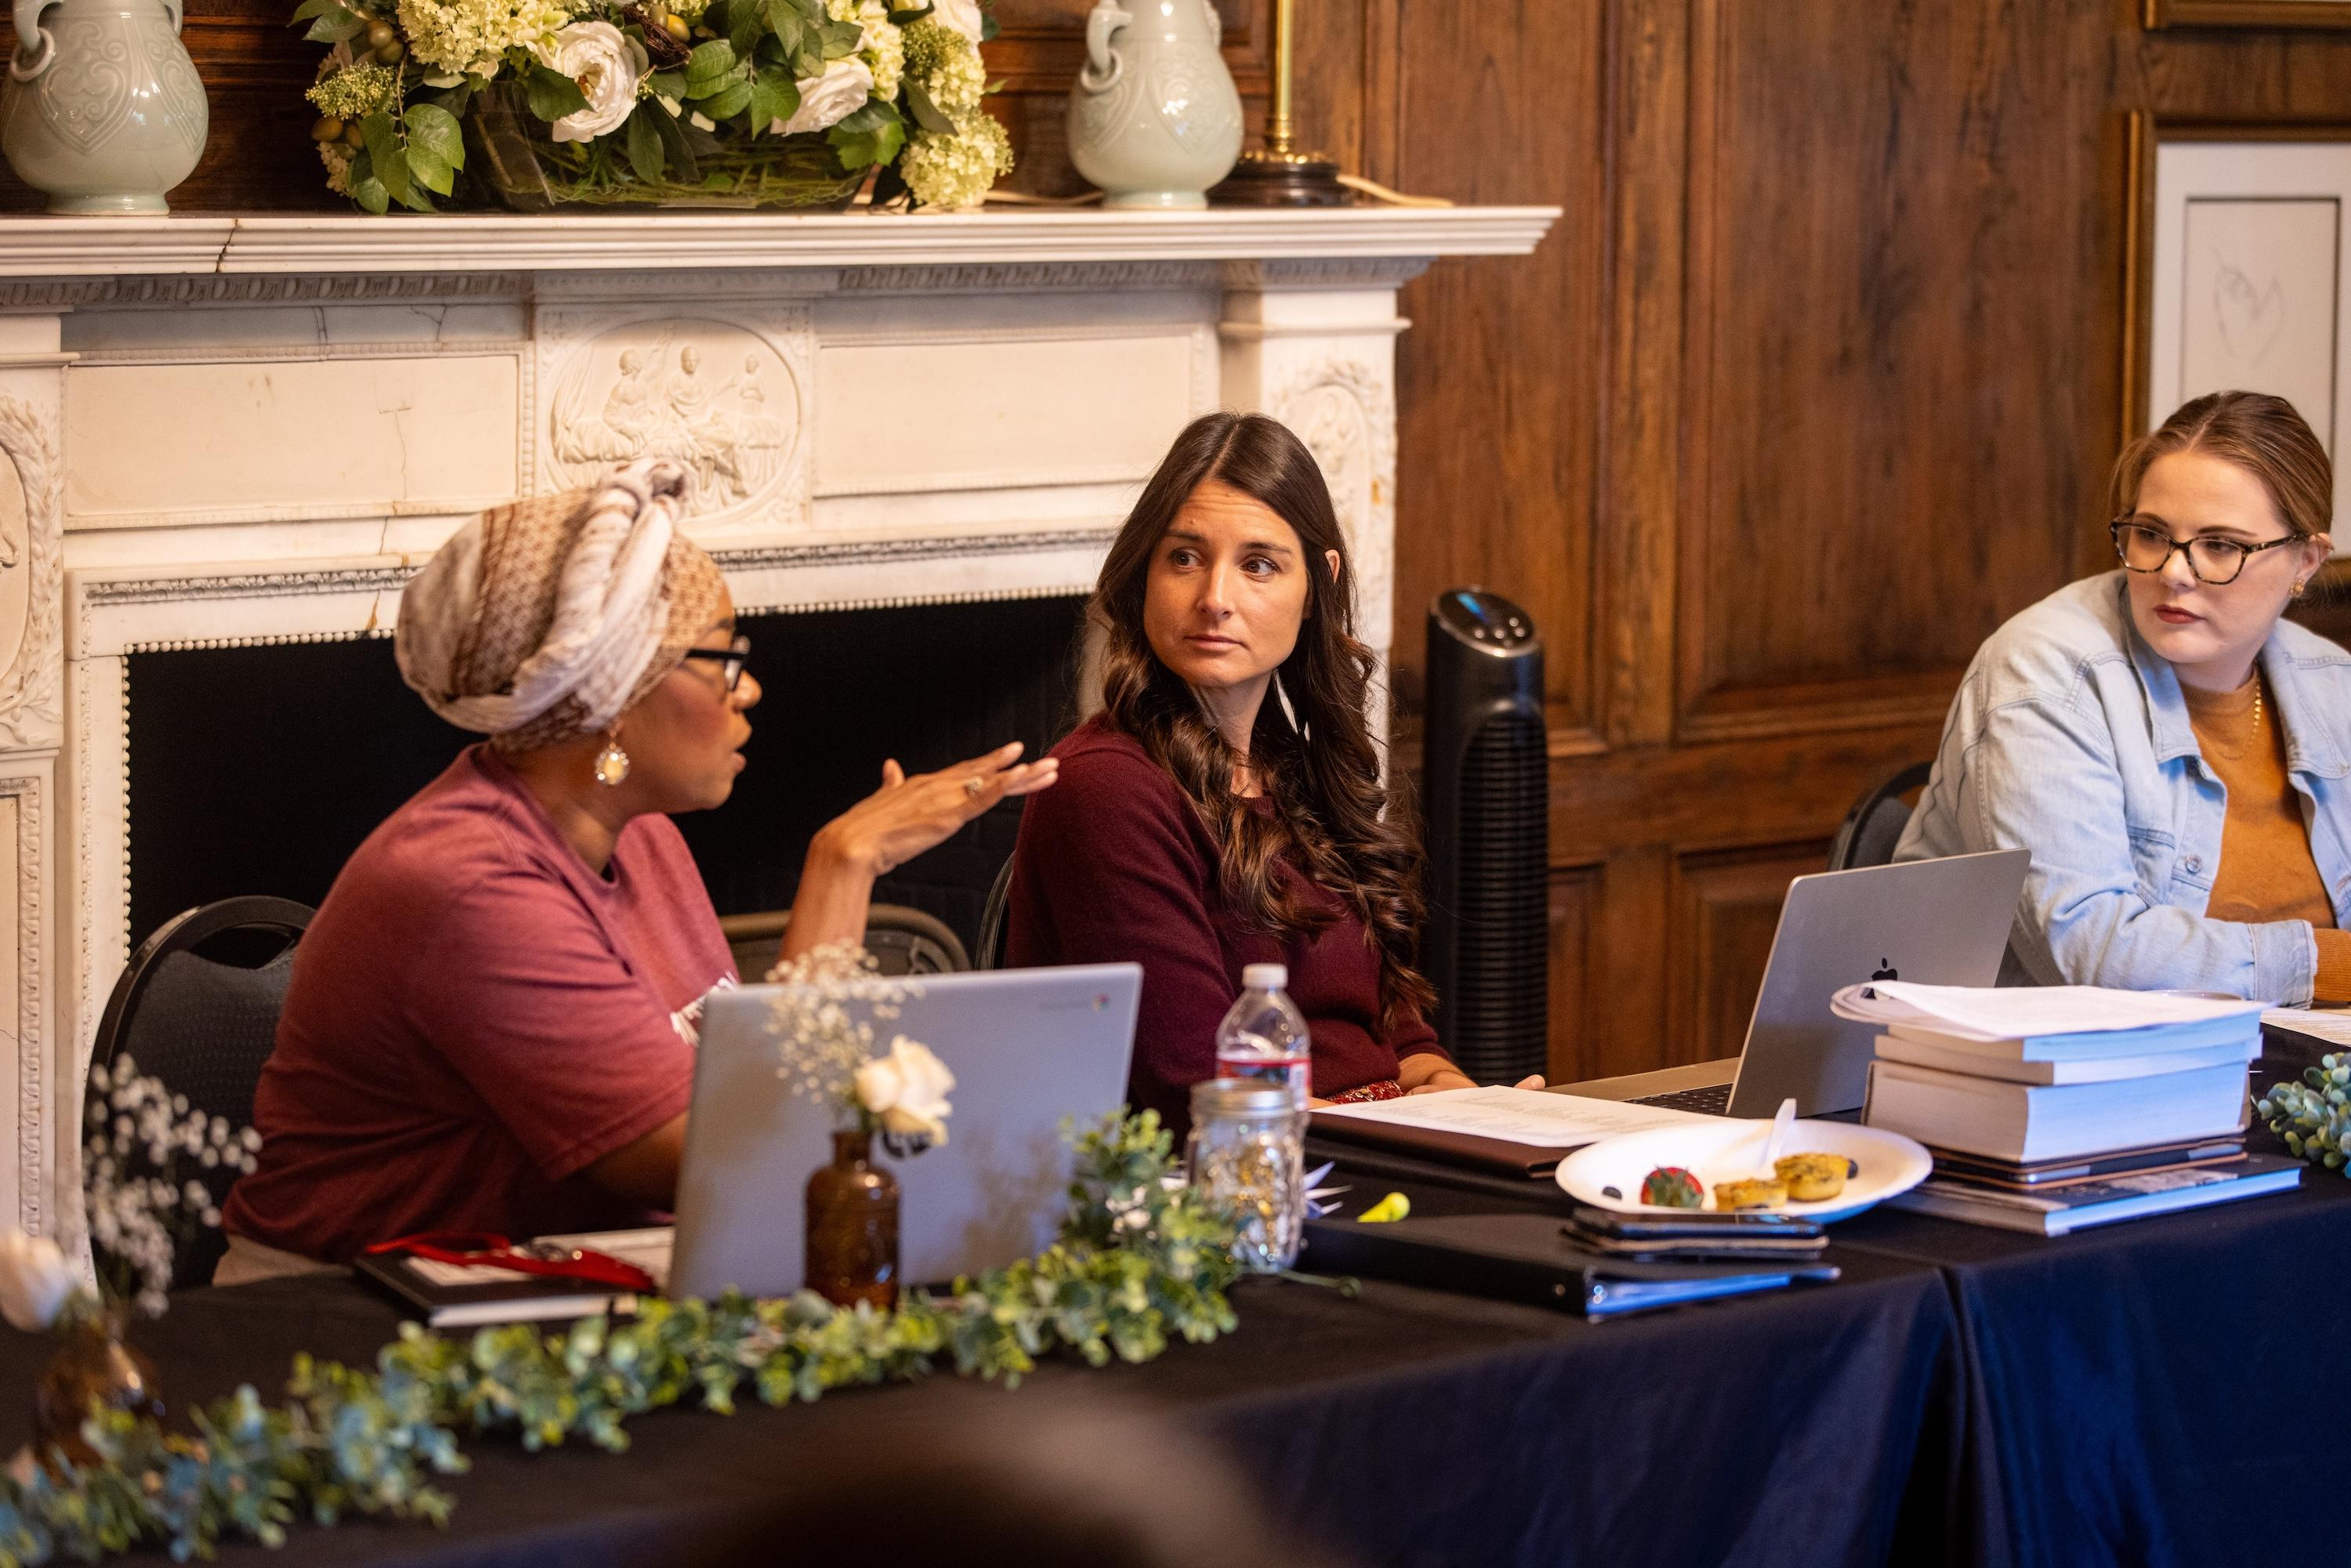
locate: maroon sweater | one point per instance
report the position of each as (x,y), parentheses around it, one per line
(1114,865)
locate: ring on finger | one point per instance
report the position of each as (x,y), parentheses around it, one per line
(975,786)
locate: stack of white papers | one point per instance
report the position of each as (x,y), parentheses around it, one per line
(2029,1075)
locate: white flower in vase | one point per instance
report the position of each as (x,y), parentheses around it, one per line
(607,64)
(963,16)
(828,99)
(34,1281)
(907,1091)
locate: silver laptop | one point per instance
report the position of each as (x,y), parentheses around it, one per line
(1029,1047)
(1941,922)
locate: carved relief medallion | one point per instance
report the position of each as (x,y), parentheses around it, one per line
(720,398)
(15,581)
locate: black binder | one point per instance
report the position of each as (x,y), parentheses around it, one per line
(1527,1258)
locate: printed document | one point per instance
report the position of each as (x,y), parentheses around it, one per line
(1529,1116)
(2025,1012)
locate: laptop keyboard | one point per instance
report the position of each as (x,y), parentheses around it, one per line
(1713,1099)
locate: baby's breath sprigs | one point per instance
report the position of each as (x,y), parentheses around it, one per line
(144,1201)
(823,1019)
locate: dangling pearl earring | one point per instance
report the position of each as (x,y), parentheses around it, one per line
(611,763)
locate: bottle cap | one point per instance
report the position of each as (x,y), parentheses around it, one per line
(1266,976)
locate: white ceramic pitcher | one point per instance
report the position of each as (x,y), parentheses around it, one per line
(102,109)
(1154,120)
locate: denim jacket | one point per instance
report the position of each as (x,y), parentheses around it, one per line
(2070,739)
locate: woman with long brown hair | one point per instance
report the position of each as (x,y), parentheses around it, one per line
(2169,747)
(1225,806)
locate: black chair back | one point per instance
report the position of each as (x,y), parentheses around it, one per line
(992,929)
(1874,826)
(205,1025)
(902,940)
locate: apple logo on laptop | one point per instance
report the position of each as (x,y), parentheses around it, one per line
(1886,971)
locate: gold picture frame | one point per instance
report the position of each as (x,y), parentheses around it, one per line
(2145,135)
(2163,14)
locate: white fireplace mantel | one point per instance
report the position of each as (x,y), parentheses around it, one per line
(220,430)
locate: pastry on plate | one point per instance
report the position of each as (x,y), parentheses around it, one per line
(1812,1177)
(1670,1187)
(1759,1192)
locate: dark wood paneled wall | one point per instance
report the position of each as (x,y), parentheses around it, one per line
(1817,380)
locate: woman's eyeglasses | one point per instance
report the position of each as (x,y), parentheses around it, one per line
(732,658)
(2215,562)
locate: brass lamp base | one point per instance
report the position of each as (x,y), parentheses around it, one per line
(1263,179)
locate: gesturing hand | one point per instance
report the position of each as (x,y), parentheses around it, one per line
(907,816)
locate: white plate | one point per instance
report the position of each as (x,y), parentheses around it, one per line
(1729,1149)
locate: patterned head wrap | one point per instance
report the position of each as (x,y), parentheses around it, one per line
(552,617)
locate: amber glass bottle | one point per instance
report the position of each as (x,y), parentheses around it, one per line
(853,1226)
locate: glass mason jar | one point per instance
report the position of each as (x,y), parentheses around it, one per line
(1246,1149)
(853,1226)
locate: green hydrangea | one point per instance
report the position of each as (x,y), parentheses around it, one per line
(469,37)
(357,91)
(944,61)
(884,46)
(338,159)
(957,171)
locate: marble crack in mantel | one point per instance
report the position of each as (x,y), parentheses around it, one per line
(52,247)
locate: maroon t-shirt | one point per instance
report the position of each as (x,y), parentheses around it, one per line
(475,1017)
(1114,865)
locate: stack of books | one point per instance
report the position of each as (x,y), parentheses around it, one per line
(2055,1109)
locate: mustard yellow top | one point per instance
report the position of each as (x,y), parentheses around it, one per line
(2266,870)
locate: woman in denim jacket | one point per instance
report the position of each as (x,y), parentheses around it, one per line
(2171,750)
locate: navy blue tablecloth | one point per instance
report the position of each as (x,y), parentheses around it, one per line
(1819,1427)
(2159,1393)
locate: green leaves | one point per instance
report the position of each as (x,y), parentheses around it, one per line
(366,189)
(871,134)
(708,68)
(1138,1267)
(927,113)
(645,155)
(436,146)
(774,96)
(389,162)
(841,38)
(331,21)
(550,94)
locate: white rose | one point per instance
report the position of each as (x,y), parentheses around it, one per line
(34,1280)
(607,64)
(828,99)
(962,16)
(908,1090)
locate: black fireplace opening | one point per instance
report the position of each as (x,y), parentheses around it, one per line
(259,770)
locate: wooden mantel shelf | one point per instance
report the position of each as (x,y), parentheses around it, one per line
(44,246)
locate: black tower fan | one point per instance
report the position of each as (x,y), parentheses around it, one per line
(1487,795)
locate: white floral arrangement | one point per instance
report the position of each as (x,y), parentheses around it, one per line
(824,1027)
(142,1201)
(731,102)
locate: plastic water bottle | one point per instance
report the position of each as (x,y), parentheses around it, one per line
(1264,1036)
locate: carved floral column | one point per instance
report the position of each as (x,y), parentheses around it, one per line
(32,729)
(1312,342)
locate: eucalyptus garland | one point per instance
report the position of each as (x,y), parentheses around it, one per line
(2314,1117)
(1141,1262)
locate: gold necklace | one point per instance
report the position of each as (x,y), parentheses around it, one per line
(2251,735)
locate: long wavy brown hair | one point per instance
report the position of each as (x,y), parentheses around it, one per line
(1318,769)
